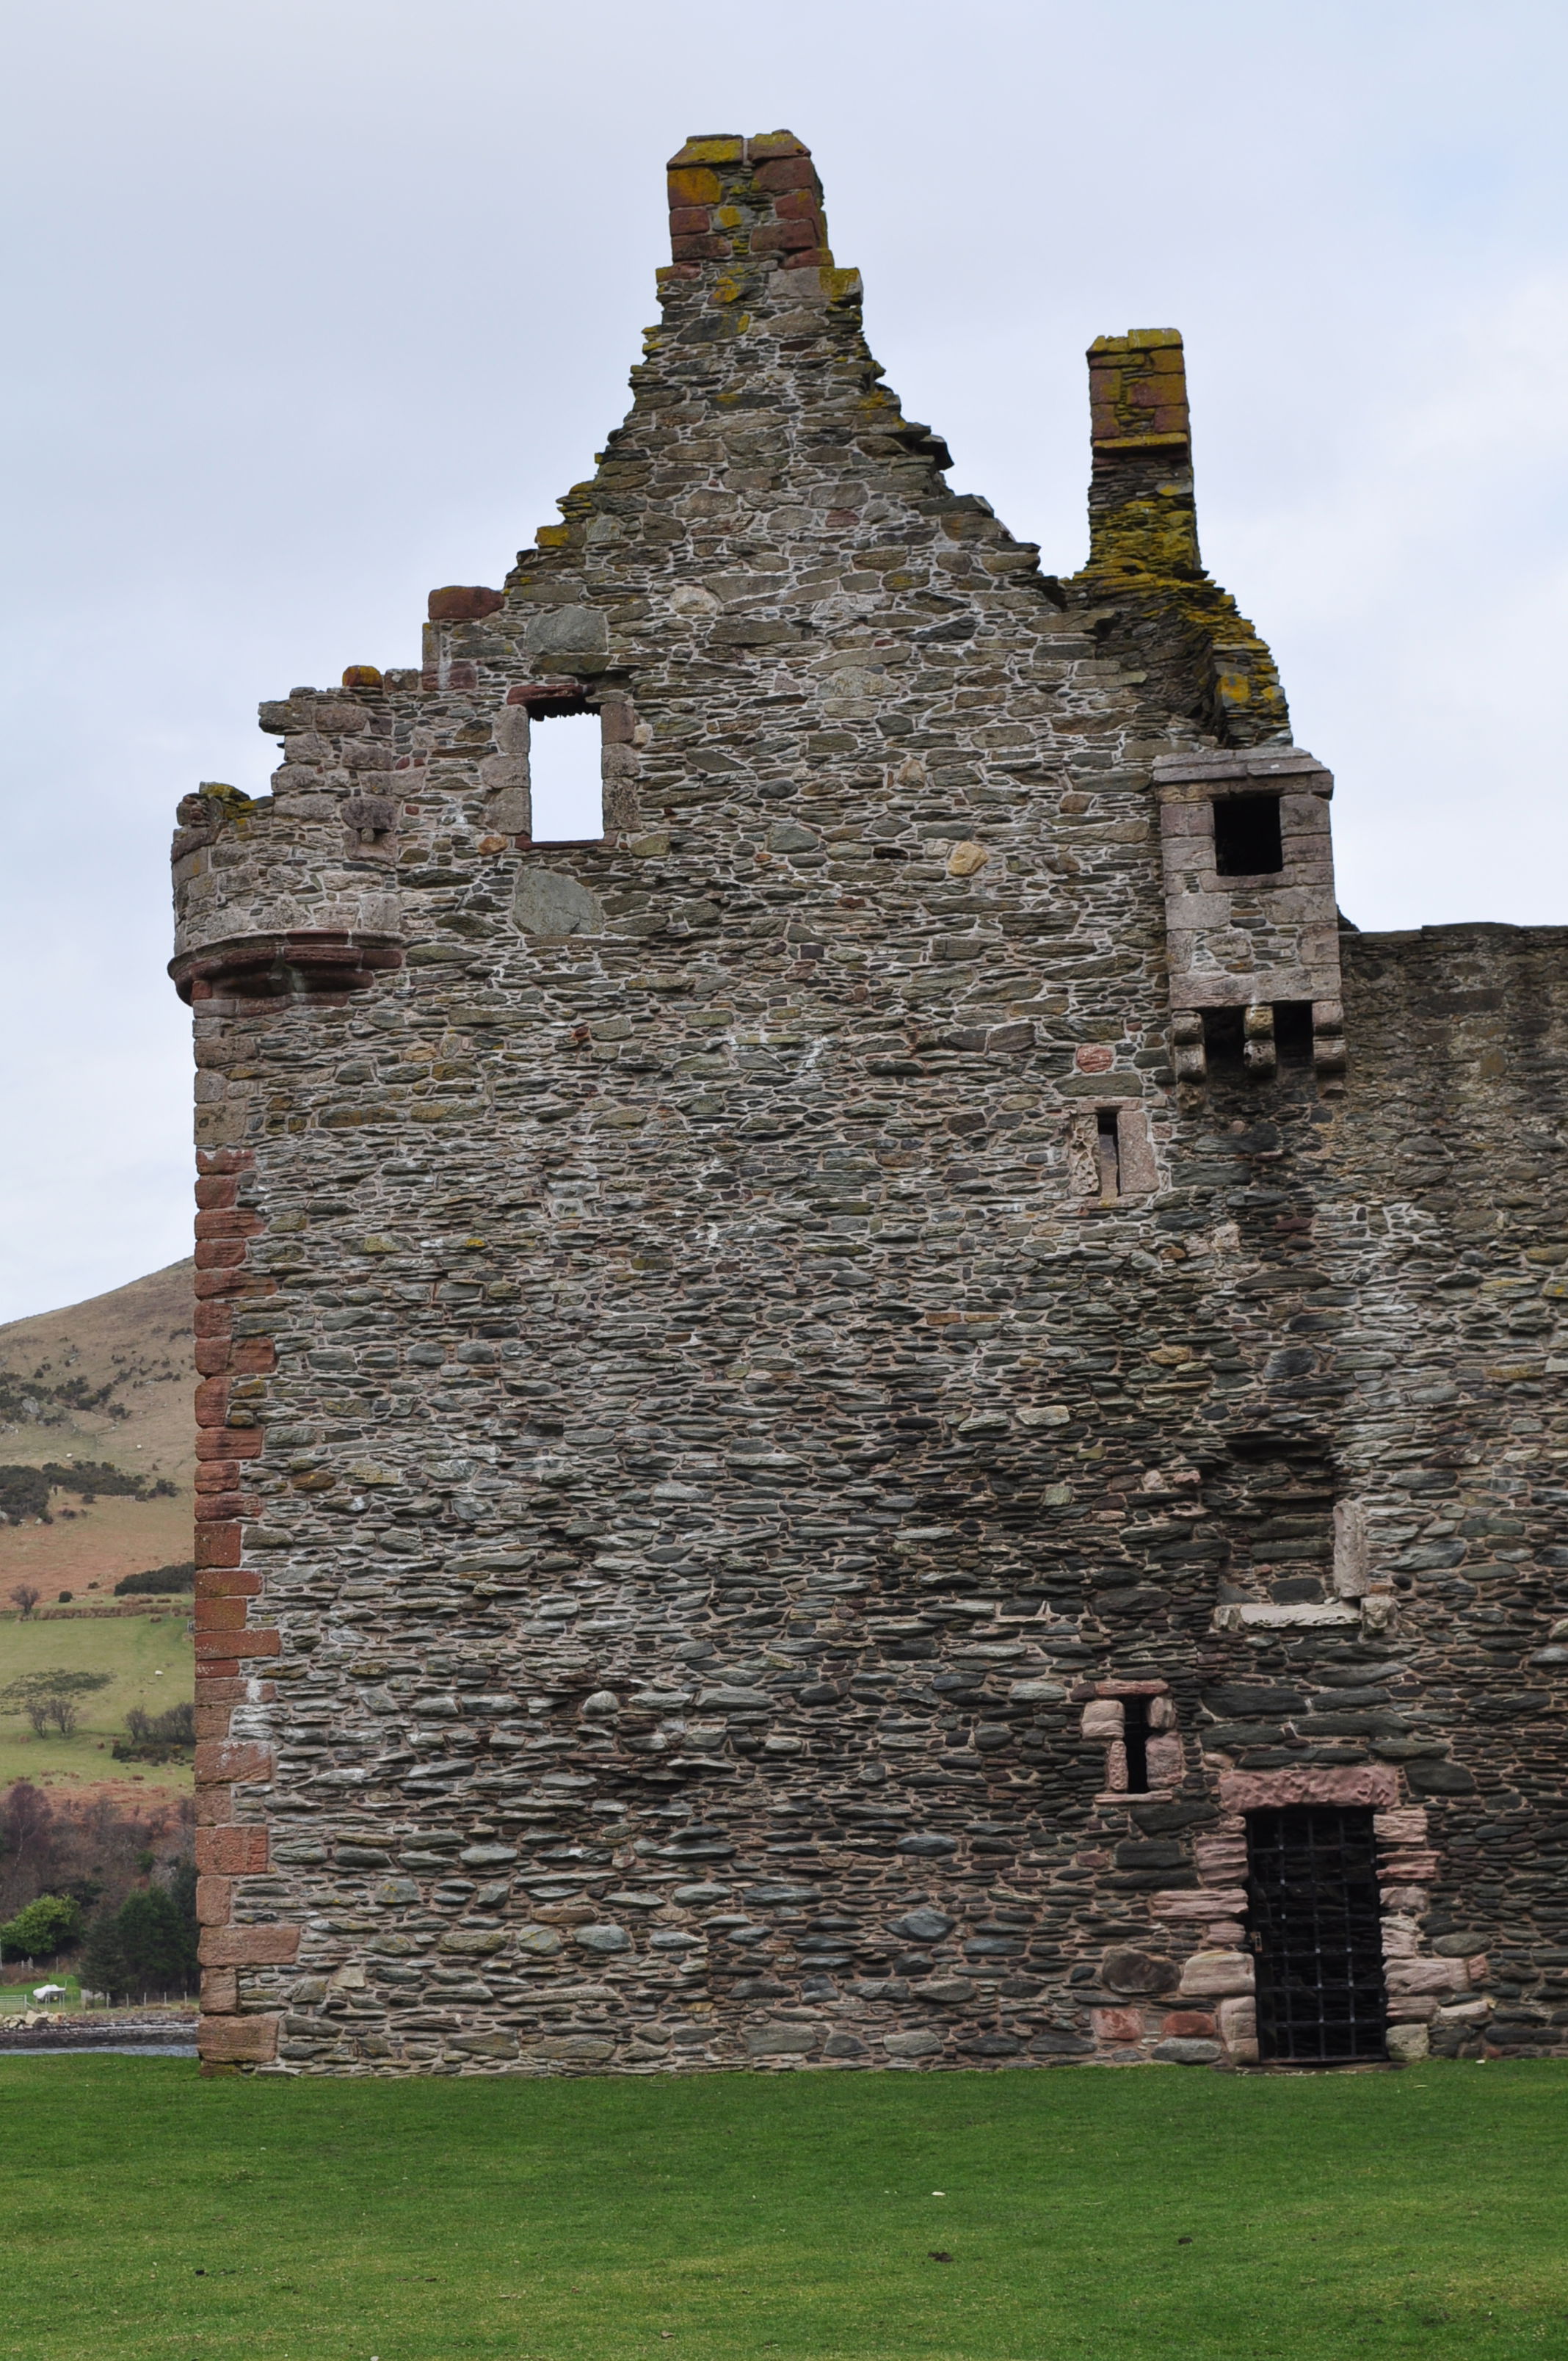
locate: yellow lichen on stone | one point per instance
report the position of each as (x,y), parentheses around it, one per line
(694,188)
(722,147)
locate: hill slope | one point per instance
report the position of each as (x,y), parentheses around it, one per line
(107,1381)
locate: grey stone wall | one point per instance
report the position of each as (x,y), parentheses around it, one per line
(728,1352)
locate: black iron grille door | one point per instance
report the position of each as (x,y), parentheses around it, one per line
(1312,1897)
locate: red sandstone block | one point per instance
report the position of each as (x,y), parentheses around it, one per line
(219,1254)
(775,143)
(1119,2024)
(218,1545)
(700,249)
(224,1159)
(221,1614)
(248,1946)
(1188,2025)
(219,1508)
(216,1692)
(251,2040)
(214,1901)
(235,1644)
(814,257)
(213,1319)
(227,1582)
(254,1357)
(783,237)
(213,1721)
(799,205)
(217,1190)
(463,603)
(212,1402)
(225,1281)
(1254,1791)
(689,221)
(220,1991)
(224,1664)
(237,1758)
(233,1222)
(229,1443)
(215,1474)
(211,1357)
(788,172)
(232,1852)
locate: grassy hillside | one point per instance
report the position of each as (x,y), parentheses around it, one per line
(107,1381)
(152,1663)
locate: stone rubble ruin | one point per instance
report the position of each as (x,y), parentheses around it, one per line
(905,1410)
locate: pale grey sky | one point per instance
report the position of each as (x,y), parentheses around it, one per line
(313,304)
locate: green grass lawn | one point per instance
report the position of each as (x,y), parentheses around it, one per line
(152,1662)
(1086,2215)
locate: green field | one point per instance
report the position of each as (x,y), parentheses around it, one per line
(1082,2215)
(14,1995)
(153,1665)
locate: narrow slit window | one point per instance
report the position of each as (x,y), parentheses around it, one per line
(1246,835)
(1108,1154)
(1222,1040)
(1293,1031)
(1135,1738)
(565,774)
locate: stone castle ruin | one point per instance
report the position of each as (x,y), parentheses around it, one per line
(904,1409)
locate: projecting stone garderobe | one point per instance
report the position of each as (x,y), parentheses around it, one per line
(906,1410)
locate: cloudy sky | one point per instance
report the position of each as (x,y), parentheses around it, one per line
(312,304)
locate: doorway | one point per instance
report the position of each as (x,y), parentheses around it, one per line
(1316,1933)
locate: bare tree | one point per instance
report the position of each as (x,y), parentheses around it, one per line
(27,1596)
(52,1699)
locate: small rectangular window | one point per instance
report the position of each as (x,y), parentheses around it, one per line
(1246,835)
(565,774)
(1108,1153)
(1135,1738)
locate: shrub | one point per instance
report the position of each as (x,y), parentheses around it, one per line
(66,1596)
(160,1579)
(154,1737)
(39,1931)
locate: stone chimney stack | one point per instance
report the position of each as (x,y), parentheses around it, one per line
(745,201)
(1142,516)
(1162,611)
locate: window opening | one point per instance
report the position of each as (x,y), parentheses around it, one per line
(1135,1738)
(1316,1932)
(1223,1039)
(1293,1032)
(1246,835)
(564,772)
(1108,1154)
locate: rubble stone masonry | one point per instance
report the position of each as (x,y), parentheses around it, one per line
(743,1359)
